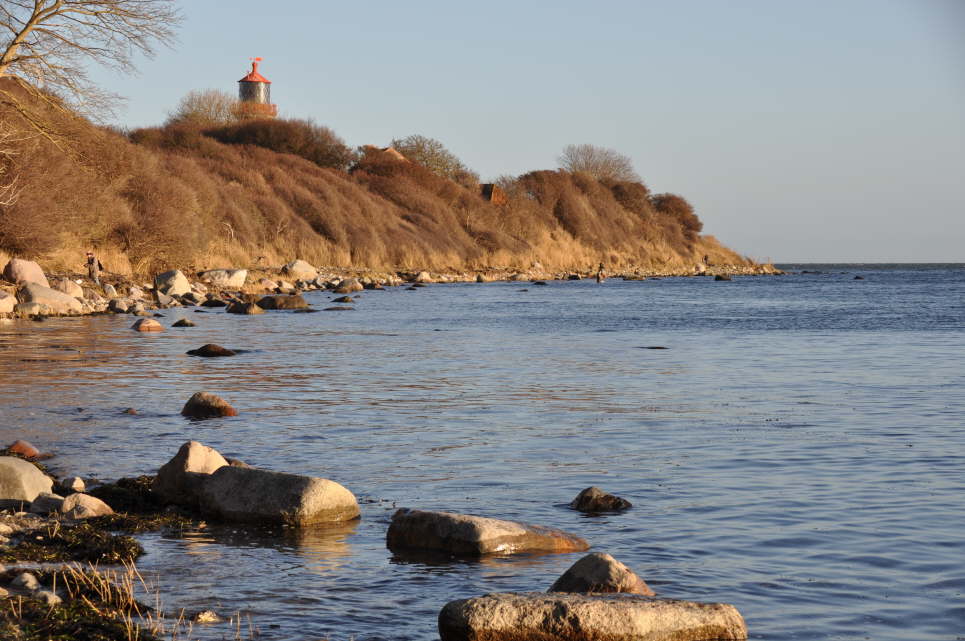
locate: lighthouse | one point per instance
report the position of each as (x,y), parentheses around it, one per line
(254,95)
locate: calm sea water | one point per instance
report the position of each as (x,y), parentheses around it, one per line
(798,449)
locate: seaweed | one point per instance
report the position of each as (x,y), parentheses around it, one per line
(84,542)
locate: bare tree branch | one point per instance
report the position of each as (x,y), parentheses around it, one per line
(50,43)
(599,162)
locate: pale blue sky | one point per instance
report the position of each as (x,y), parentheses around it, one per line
(820,131)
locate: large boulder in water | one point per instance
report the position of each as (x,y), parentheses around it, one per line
(179,480)
(205,405)
(299,269)
(466,535)
(19,271)
(600,572)
(211,350)
(147,325)
(578,617)
(21,481)
(225,277)
(55,301)
(281,301)
(172,283)
(251,494)
(349,286)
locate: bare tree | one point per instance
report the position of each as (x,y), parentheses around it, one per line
(49,42)
(9,177)
(599,162)
(433,155)
(205,107)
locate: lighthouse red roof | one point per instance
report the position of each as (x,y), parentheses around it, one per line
(254,76)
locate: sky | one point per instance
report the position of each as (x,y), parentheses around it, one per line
(826,131)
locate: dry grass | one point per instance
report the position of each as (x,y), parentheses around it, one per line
(174,196)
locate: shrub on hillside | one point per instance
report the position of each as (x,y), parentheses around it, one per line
(680,210)
(299,137)
(433,155)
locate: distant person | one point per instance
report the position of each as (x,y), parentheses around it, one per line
(707,259)
(94,268)
(601,274)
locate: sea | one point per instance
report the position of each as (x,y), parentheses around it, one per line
(792,445)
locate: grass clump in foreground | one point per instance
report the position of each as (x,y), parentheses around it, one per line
(97,606)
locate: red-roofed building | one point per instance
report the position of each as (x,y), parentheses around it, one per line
(254,95)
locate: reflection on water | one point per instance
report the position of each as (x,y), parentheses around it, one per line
(795,451)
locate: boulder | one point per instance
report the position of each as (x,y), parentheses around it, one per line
(234,278)
(349,286)
(481,278)
(204,405)
(211,351)
(135,292)
(74,483)
(422,277)
(213,301)
(600,572)
(299,269)
(193,298)
(147,325)
(19,271)
(7,302)
(172,283)
(46,502)
(119,305)
(251,494)
(593,499)
(57,302)
(69,287)
(109,291)
(24,310)
(343,299)
(24,448)
(84,506)
(244,308)
(21,481)
(183,322)
(280,301)
(178,480)
(465,535)
(163,299)
(721,277)
(578,617)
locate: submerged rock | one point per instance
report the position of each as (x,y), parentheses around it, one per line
(251,494)
(244,308)
(465,535)
(593,499)
(23,448)
(211,351)
(576,617)
(205,405)
(184,322)
(600,572)
(147,325)
(721,277)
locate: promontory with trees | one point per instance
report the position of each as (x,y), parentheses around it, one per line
(211,188)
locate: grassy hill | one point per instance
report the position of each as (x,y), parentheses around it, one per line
(182,196)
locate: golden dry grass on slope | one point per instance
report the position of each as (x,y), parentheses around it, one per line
(175,196)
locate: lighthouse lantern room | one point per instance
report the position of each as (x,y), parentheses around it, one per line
(254,95)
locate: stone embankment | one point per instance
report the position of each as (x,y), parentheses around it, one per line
(26,291)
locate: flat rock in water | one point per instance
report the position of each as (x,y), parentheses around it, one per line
(466,535)
(254,495)
(338,308)
(178,480)
(600,572)
(281,301)
(147,325)
(593,499)
(577,617)
(84,506)
(211,351)
(19,271)
(205,405)
(22,481)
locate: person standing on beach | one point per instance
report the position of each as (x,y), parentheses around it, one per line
(94,268)
(601,274)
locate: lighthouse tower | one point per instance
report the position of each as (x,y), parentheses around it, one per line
(254,95)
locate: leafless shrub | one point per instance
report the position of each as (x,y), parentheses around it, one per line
(205,108)
(600,162)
